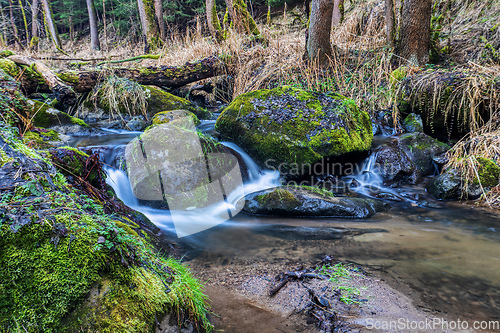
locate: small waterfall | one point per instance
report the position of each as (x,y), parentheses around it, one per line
(252,167)
(196,219)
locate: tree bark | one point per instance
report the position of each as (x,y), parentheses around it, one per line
(415,31)
(319,47)
(25,21)
(13,25)
(242,21)
(34,26)
(159,17)
(213,21)
(95,45)
(390,17)
(50,26)
(149,24)
(164,76)
(63,92)
(338,12)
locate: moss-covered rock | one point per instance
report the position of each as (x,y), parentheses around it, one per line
(45,116)
(308,201)
(413,123)
(421,149)
(187,162)
(295,127)
(9,67)
(393,164)
(452,185)
(12,102)
(160,100)
(175,117)
(42,138)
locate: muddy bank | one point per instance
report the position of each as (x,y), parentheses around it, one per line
(239,294)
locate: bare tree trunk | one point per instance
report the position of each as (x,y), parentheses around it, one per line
(13,25)
(25,21)
(415,31)
(338,12)
(94,32)
(319,47)
(50,26)
(34,26)
(213,21)
(3,22)
(159,17)
(150,29)
(390,17)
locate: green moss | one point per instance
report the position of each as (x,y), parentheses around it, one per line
(6,53)
(41,139)
(4,159)
(160,100)
(69,76)
(278,199)
(488,171)
(398,75)
(43,115)
(176,117)
(9,67)
(294,126)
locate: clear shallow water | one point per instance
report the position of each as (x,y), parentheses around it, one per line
(451,255)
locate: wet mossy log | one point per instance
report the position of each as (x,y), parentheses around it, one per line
(163,76)
(64,93)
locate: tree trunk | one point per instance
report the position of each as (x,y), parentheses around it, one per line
(159,17)
(319,47)
(34,26)
(25,21)
(165,76)
(390,16)
(415,31)
(13,25)
(62,91)
(213,21)
(50,26)
(338,12)
(241,19)
(150,29)
(94,32)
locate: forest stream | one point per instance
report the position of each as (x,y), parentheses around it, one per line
(441,254)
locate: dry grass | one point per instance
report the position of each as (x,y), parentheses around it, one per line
(467,97)
(118,95)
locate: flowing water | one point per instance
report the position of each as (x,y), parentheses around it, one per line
(450,255)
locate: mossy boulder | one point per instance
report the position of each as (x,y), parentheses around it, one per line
(45,116)
(175,117)
(421,149)
(171,164)
(293,127)
(452,185)
(12,101)
(309,201)
(159,100)
(413,123)
(9,67)
(42,138)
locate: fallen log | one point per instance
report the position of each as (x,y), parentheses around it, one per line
(163,76)
(62,91)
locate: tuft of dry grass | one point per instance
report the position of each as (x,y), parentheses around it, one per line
(466,97)
(119,95)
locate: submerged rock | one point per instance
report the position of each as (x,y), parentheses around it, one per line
(292,127)
(305,201)
(452,185)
